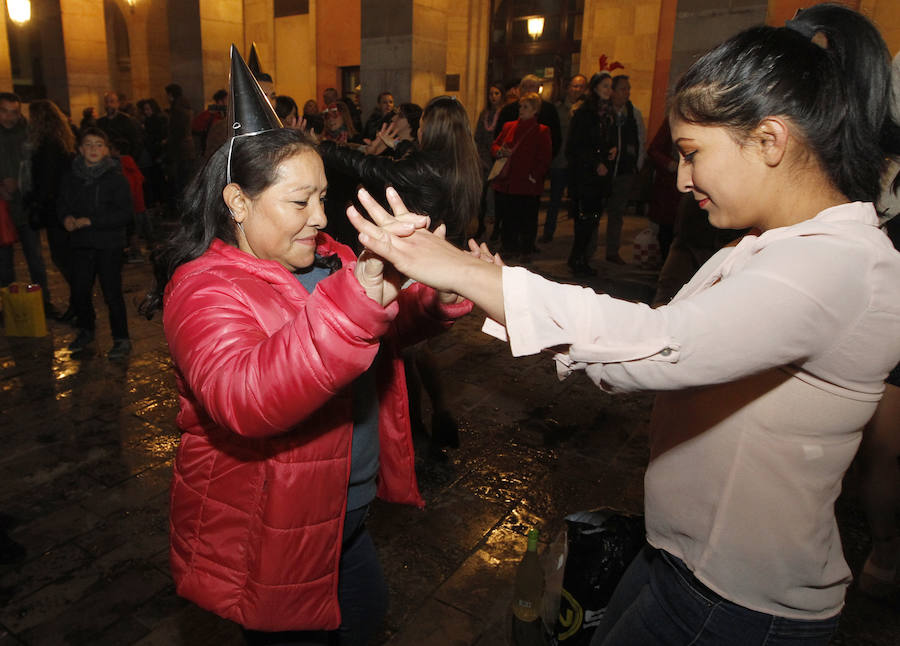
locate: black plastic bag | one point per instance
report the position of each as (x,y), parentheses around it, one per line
(601,545)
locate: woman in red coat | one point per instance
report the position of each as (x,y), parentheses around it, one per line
(518,188)
(292,397)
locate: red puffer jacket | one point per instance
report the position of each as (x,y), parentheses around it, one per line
(264,372)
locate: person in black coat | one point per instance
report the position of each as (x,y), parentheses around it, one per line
(52,146)
(95,207)
(589,149)
(440,177)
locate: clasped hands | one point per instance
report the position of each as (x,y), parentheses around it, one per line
(399,245)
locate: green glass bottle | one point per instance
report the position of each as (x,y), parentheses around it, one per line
(528,628)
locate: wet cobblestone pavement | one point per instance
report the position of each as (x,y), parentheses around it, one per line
(86,463)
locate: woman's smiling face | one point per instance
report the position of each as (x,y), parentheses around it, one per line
(727,178)
(282,222)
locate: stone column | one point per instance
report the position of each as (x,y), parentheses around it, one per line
(221,24)
(429,49)
(337,42)
(626,31)
(46,17)
(6,80)
(159,67)
(84,35)
(295,55)
(259,28)
(185,58)
(468,30)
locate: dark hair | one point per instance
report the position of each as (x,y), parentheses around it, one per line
(220,95)
(10,97)
(592,101)
(500,87)
(412,112)
(120,146)
(92,131)
(174,90)
(836,99)
(154,106)
(618,79)
(447,132)
(383,94)
(284,105)
(205,216)
(263,77)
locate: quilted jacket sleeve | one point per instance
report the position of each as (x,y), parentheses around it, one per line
(259,384)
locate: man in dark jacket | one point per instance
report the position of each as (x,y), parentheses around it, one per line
(118,125)
(13,133)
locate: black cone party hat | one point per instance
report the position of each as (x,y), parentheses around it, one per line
(253,61)
(249,111)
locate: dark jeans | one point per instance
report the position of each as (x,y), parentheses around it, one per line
(87,265)
(362,595)
(659,602)
(559,178)
(519,214)
(30,239)
(586,211)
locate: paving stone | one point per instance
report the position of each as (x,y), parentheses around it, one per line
(39,571)
(438,623)
(192,626)
(482,586)
(88,461)
(106,603)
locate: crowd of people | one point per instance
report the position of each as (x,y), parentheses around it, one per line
(294,322)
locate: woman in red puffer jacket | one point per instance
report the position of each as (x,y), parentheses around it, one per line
(292,398)
(518,188)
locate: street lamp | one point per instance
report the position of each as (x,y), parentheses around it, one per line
(19,11)
(535,27)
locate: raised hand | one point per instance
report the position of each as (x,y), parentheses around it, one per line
(381,281)
(428,258)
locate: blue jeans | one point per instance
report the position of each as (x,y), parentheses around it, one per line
(659,602)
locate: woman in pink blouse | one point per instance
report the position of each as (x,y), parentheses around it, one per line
(768,362)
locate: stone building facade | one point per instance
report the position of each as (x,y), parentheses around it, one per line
(415,48)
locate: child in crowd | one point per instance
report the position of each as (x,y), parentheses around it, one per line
(95,207)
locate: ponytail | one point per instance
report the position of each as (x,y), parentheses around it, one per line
(836,97)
